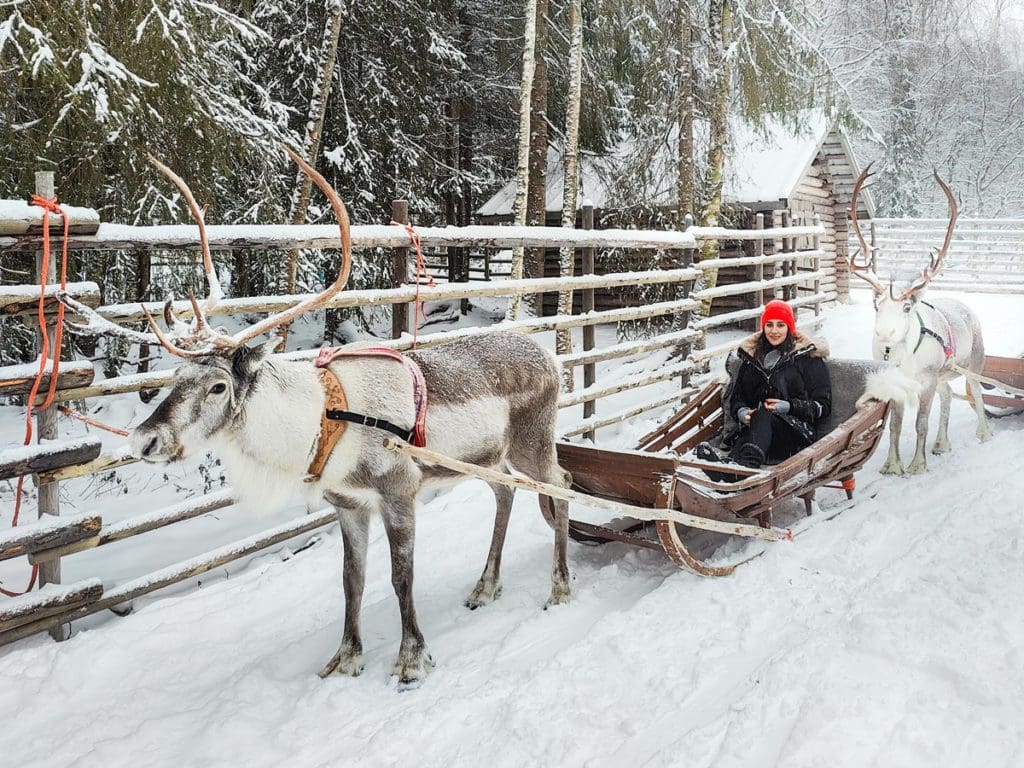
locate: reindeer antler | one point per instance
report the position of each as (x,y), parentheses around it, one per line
(198,338)
(931,271)
(863,271)
(313,302)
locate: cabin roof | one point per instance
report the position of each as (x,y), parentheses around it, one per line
(764,166)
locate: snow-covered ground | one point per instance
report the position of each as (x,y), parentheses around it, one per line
(892,635)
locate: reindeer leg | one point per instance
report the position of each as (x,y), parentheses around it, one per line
(893,465)
(945,398)
(399,517)
(489,586)
(355,527)
(560,577)
(924,407)
(974,391)
(561,591)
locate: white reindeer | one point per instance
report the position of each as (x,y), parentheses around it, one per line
(923,338)
(491,400)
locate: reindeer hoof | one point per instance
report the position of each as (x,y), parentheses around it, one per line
(560,595)
(483,594)
(347,661)
(984,436)
(917,467)
(412,669)
(940,448)
(892,468)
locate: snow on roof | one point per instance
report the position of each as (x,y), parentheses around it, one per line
(765,163)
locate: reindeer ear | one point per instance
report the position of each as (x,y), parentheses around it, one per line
(245,361)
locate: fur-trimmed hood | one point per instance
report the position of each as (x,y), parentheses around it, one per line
(817,346)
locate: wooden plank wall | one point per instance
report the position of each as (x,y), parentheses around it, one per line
(814,196)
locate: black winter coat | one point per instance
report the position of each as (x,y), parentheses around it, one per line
(800,377)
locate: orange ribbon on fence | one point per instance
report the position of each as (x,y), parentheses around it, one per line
(49,205)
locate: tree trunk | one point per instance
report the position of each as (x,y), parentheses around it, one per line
(684,105)
(719,21)
(523,160)
(570,162)
(536,197)
(143,276)
(311,142)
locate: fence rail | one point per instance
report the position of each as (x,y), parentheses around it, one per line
(985,255)
(773,274)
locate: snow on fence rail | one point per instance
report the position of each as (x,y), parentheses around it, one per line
(771,274)
(985,256)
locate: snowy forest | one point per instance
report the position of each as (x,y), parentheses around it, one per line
(419,100)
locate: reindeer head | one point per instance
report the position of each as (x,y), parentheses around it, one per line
(210,390)
(207,397)
(894,312)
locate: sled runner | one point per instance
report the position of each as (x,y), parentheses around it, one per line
(660,474)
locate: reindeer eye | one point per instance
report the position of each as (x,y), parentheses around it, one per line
(218,389)
(906,308)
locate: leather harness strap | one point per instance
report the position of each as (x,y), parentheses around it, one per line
(331,430)
(336,415)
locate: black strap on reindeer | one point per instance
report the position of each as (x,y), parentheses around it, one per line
(947,345)
(371,421)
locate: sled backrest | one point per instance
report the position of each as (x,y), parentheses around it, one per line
(848,377)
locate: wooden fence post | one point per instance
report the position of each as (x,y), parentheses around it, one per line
(683,318)
(785,219)
(587,305)
(758,268)
(872,257)
(399,271)
(46,419)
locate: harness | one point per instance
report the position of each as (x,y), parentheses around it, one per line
(948,344)
(336,415)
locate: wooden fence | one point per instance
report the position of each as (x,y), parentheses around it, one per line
(780,273)
(986,255)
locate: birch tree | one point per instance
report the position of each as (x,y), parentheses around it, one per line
(311,143)
(570,164)
(523,154)
(719,23)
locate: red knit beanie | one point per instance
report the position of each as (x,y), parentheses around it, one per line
(776,309)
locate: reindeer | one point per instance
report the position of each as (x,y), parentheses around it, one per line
(923,338)
(491,398)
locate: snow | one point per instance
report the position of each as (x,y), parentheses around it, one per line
(889,635)
(24,453)
(752,173)
(16,216)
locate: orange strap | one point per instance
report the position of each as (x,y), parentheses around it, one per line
(421,272)
(49,206)
(330,431)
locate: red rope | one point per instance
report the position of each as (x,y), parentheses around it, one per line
(48,206)
(92,422)
(421,271)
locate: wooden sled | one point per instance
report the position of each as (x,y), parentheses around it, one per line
(1007,399)
(657,475)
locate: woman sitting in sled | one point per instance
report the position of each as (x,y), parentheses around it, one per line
(782,390)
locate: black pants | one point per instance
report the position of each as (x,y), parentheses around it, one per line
(769,432)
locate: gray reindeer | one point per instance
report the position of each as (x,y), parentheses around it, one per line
(490,400)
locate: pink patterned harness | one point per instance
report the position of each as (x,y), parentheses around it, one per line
(418,434)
